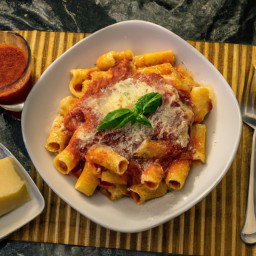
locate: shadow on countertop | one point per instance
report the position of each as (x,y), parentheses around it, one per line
(230,21)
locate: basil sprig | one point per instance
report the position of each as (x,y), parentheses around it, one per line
(145,105)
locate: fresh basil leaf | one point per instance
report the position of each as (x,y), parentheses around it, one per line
(143,120)
(114,118)
(129,117)
(120,117)
(148,103)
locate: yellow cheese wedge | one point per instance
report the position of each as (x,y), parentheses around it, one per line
(13,190)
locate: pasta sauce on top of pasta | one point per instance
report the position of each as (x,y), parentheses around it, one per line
(135,160)
(171,122)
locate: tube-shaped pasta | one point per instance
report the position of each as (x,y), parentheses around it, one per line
(115,192)
(105,156)
(154,58)
(161,69)
(202,104)
(113,178)
(177,174)
(101,75)
(66,160)
(159,159)
(141,193)
(110,59)
(186,75)
(127,54)
(180,84)
(198,133)
(151,149)
(77,85)
(66,104)
(152,176)
(57,138)
(87,181)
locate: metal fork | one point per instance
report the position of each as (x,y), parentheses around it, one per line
(248,111)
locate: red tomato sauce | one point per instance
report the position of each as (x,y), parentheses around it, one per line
(83,119)
(13,64)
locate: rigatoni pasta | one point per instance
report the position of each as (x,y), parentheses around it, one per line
(108,158)
(133,126)
(152,176)
(58,137)
(177,173)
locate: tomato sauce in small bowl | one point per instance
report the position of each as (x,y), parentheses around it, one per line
(15,69)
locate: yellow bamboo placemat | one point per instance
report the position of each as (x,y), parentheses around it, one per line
(212,227)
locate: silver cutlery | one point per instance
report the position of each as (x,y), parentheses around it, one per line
(248,111)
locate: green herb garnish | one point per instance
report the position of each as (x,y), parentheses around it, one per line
(145,105)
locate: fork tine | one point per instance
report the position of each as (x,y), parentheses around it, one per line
(245,93)
(251,92)
(250,121)
(248,101)
(254,89)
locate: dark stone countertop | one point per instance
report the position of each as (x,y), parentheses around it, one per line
(18,248)
(208,20)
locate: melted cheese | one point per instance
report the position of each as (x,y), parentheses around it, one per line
(13,190)
(124,94)
(170,122)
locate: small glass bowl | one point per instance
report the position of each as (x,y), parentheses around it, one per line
(13,94)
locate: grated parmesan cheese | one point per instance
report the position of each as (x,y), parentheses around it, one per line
(171,121)
(124,95)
